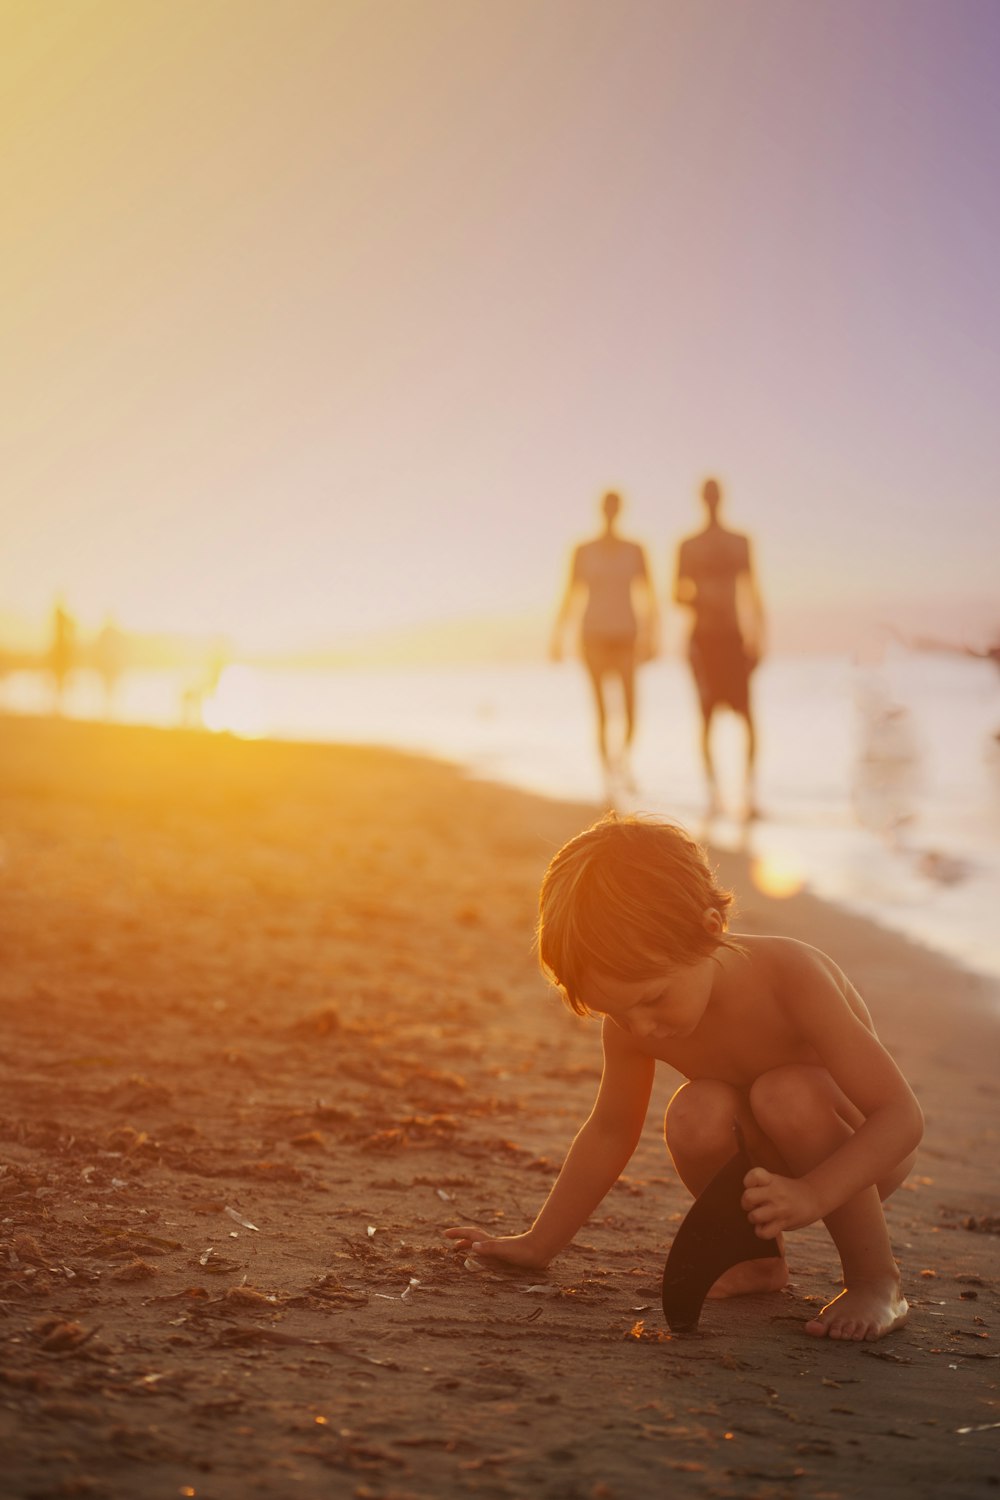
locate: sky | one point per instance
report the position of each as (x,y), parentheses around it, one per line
(325,318)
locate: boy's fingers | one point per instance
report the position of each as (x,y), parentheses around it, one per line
(757,1177)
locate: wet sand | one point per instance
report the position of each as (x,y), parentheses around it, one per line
(270,1021)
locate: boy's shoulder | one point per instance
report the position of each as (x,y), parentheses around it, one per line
(801,978)
(785,957)
(771,944)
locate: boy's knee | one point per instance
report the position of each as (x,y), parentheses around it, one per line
(790,1098)
(700,1116)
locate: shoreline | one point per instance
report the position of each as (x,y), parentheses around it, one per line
(292,1027)
(938,884)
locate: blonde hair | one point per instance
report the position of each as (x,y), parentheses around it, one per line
(627,897)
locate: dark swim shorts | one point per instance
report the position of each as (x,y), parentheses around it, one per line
(721,668)
(609,653)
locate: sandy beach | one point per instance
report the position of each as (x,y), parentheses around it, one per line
(271,1021)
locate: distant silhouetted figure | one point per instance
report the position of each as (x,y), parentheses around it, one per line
(109,659)
(62,653)
(715,580)
(887,771)
(197,693)
(610,578)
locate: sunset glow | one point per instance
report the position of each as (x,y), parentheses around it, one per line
(777,875)
(335,320)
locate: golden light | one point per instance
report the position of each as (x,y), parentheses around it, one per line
(235,706)
(777,875)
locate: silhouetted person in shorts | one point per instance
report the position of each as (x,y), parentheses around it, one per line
(715,580)
(109,656)
(610,578)
(61,653)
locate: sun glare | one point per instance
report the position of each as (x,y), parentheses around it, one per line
(235,706)
(777,875)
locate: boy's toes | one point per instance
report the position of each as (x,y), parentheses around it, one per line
(818,1327)
(856,1316)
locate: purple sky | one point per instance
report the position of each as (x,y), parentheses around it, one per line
(327,317)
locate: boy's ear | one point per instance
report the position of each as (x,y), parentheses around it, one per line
(712,921)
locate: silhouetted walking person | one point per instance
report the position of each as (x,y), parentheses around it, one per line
(109,657)
(610,577)
(62,652)
(715,580)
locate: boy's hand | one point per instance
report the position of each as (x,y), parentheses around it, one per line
(774,1203)
(515,1249)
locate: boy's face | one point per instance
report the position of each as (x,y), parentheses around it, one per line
(665,1006)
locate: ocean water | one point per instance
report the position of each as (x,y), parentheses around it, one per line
(878,786)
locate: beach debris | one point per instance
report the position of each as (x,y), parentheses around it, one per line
(372,1231)
(335,1112)
(215,1263)
(163,1380)
(189,1294)
(26,1248)
(445,1197)
(250,1296)
(391,1297)
(982,1223)
(59,1338)
(644,1335)
(136,1269)
(238,1219)
(309,1140)
(331,1291)
(981,1427)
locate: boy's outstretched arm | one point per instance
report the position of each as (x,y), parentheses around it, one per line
(595,1161)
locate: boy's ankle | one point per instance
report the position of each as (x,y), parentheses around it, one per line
(882,1276)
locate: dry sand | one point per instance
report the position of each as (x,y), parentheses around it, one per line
(292,987)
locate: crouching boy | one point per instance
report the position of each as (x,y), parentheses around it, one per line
(766,1030)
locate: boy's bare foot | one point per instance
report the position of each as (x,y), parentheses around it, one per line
(867,1310)
(751,1276)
